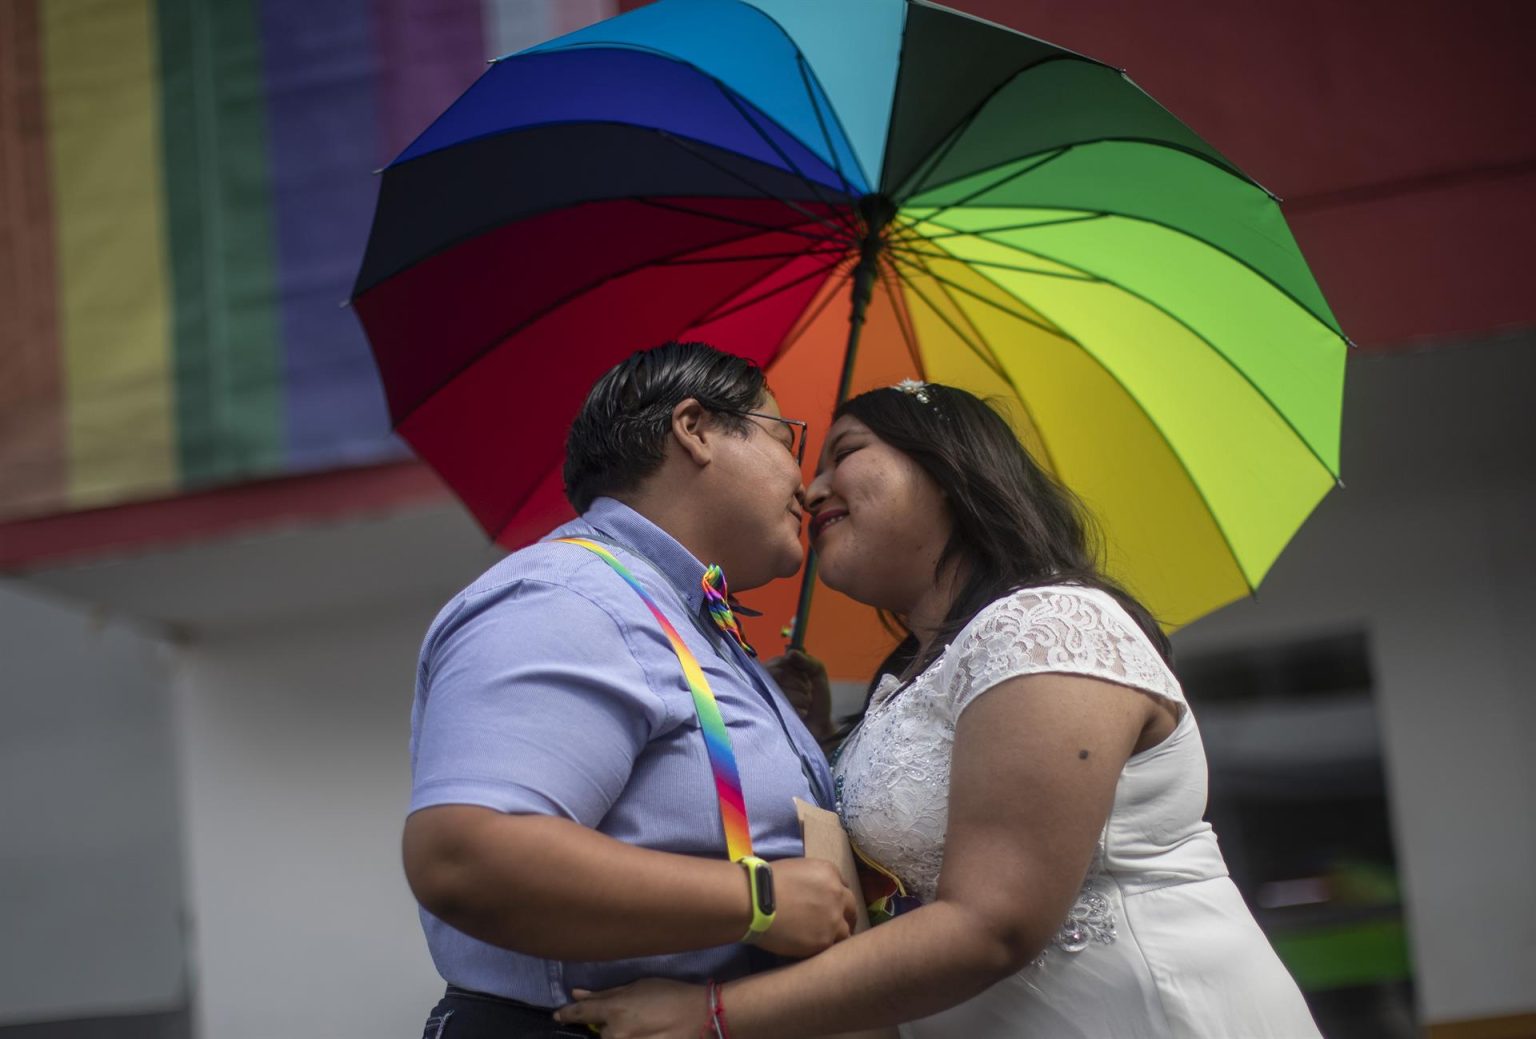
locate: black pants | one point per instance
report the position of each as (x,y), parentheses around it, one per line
(462,1014)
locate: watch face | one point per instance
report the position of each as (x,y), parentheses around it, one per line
(764,876)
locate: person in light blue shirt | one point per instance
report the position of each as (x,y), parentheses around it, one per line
(565,831)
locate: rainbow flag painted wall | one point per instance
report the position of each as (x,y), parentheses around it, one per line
(185,190)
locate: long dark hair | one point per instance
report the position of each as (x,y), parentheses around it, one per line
(1014,525)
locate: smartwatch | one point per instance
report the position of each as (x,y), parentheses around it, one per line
(760,884)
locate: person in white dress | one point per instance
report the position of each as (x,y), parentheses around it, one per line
(1033,777)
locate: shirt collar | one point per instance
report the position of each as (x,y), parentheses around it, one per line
(618,522)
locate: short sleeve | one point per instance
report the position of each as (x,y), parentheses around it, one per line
(1061,629)
(530,701)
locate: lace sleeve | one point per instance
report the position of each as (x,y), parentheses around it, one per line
(1058,629)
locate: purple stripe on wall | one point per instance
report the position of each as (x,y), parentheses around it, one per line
(322,71)
(431,50)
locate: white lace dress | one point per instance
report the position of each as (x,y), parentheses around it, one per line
(1159,944)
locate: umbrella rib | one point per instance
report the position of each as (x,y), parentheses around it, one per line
(959,130)
(973,340)
(989,360)
(815,187)
(1045,159)
(989,302)
(544,312)
(965,124)
(716,315)
(1083,218)
(443,248)
(795,229)
(808,319)
(1192,331)
(903,319)
(917,258)
(907,250)
(683,143)
(806,77)
(701,316)
(1150,142)
(799,59)
(978,340)
(804,71)
(937,157)
(839,251)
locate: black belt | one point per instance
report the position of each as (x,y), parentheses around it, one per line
(463,1014)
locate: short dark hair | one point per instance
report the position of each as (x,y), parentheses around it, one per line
(619,437)
(1015,526)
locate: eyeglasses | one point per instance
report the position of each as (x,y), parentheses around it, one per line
(798,432)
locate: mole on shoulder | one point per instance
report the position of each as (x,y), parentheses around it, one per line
(1082,755)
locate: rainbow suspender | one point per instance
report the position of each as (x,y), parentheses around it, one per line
(722,758)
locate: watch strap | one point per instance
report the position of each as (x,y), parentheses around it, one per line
(760,887)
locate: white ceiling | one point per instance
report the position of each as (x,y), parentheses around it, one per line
(405,559)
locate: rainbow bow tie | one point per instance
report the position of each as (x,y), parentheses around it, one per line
(717,597)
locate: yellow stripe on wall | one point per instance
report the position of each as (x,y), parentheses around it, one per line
(103,111)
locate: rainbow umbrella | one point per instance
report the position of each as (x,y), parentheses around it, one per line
(852,194)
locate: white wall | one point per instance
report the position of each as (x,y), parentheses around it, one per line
(296,783)
(1442,588)
(1432,550)
(91,882)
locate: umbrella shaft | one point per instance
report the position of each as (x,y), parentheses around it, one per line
(877,212)
(863,292)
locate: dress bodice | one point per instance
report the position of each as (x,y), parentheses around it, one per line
(892,777)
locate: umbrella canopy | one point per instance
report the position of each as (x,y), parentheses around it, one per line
(992,211)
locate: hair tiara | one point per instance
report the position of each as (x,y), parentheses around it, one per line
(915,388)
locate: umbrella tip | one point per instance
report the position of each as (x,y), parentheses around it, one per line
(1351,343)
(344,304)
(1339,482)
(378,171)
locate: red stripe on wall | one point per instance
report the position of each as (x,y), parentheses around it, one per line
(32,445)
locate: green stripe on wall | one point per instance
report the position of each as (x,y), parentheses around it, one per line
(218,213)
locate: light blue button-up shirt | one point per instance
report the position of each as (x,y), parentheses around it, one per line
(546,687)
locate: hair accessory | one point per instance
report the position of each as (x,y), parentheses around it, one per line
(914,388)
(717,597)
